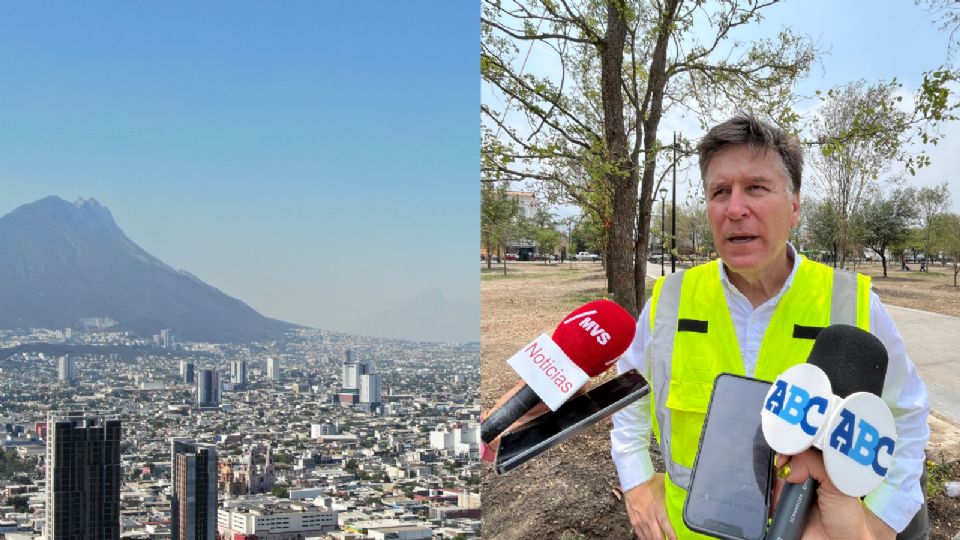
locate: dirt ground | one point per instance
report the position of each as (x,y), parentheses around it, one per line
(572,492)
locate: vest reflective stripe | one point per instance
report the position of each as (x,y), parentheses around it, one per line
(682,390)
(664,326)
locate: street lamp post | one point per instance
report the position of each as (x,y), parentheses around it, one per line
(663,204)
(673,211)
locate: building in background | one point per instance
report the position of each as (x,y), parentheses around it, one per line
(370,392)
(67,370)
(238,374)
(83,478)
(273,369)
(275,520)
(193,497)
(186,372)
(208,388)
(352,371)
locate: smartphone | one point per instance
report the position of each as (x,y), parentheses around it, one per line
(552,428)
(729,494)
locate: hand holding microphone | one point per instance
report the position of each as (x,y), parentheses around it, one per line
(836,515)
(586,343)
(831,403)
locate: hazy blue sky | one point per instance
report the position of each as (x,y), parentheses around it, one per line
(317,160)
(863,39)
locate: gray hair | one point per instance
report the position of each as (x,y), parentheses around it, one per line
(745,129)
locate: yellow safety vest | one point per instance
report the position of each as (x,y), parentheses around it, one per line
(690,322)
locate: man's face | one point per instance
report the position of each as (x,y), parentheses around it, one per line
(750,207)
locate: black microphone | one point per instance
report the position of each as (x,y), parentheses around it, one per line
(854,361)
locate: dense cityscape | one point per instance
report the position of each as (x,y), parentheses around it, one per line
(317,435)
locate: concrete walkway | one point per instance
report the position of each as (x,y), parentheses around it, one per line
(933,343)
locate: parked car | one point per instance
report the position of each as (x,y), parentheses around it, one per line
(510,256)
(585,256)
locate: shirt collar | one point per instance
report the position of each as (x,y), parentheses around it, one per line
(731,288)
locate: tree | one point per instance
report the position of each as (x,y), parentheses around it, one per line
(849,161)
(821,226)
(279,491)
(886,222)
(588,129)
(931,203)
(498,212)
(547,241)
(693,229)
(947,232)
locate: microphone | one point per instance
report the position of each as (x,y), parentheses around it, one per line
(586,343)
(854,362)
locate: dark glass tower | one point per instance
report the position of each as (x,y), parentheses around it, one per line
(193,505)
(83,478)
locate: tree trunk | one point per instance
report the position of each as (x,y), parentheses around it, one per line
(489,253)
(657,81)
(622,177)
(883,261)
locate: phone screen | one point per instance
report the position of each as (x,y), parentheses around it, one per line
(730,487)
(551,428)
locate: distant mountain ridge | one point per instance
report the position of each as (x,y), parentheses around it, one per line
(61,262)
(428,316)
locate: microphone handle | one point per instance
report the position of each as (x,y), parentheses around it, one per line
(511,411)
(790,518)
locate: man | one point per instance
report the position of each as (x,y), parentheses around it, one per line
(740,314)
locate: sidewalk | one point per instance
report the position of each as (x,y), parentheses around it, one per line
(933,343)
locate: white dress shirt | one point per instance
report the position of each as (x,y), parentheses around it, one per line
(895,501)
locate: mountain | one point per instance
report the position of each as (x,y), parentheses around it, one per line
(62,262)
(428,316)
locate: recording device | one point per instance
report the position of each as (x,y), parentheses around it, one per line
(552,428)
(586,343)
(729,494)
(845,419)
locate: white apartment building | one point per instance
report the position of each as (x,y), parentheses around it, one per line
(276,520)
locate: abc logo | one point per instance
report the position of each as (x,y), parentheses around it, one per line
(793,404)
(860,440)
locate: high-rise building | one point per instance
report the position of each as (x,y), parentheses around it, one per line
(352,370)
(83,478)
(186,372)
(273,369)
(166,338)
(193,501)
(67,370)
(238,373)
(208,388)
(370,388)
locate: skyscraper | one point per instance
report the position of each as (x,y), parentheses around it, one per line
(166,338)
(193,501)
(238,373)
(67,370)
(352,371)
(208,388)
(186,372)
(83,478)
(370,388)
(273,369)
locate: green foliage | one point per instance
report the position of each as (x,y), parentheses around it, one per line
(885,221)
(280,491)
(11,465)
(932,202)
